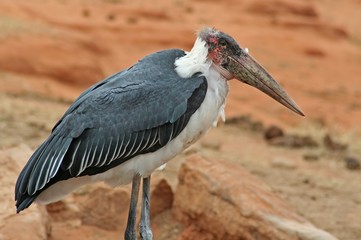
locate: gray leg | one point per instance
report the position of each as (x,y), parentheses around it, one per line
(130,233)
(145,228)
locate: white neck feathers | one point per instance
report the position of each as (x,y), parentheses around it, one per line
(197,61)
(194,61)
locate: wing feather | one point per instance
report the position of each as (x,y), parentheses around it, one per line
(21,185)
(94,152)
(100,162)
(139,143)
(115,150)
(124,147)
(155,132)
(84,159)
(55,167)
(107,159)
(38,174)
(117,155)
(133,141)
(133,112)
(145,141)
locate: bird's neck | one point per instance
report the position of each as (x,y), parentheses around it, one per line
(197,61)
(194,61)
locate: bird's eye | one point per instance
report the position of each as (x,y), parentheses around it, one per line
(222,42)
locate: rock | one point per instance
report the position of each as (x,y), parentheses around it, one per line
(332,145)
(320,27)
(276,136)
(293,141)
(219,200)
(213,144)
(246,122)
(282,7)
(63,210)
(105,207)
(194,232)
(30,224)
(314,52)
(273,132)
(70,70)
(285,163)
(311,157)
(161,196)
(352,163)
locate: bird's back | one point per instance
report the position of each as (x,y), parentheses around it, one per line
(133,112)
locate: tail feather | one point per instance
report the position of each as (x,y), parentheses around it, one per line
(21,183)
(24,202)
(41,170)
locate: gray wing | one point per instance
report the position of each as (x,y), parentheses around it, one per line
(133,112)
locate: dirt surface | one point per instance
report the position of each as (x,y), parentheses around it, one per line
(53,50)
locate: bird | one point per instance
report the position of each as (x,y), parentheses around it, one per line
(123,128)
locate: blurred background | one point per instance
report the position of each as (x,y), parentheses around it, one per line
(52,50)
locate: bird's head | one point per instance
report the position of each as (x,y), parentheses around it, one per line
(232,61)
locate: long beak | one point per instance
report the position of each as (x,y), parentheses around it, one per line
(247,70)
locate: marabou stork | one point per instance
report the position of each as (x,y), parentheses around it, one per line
(128,125)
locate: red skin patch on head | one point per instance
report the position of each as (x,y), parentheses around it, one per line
(215,55)
(213,40)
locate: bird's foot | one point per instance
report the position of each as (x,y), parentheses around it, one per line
(145,232)
(130,235)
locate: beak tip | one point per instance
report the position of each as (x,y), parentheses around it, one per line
(299,111)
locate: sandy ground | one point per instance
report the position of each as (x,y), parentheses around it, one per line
(52,50)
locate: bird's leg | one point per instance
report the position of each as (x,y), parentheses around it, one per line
(130,232)
(145,228)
